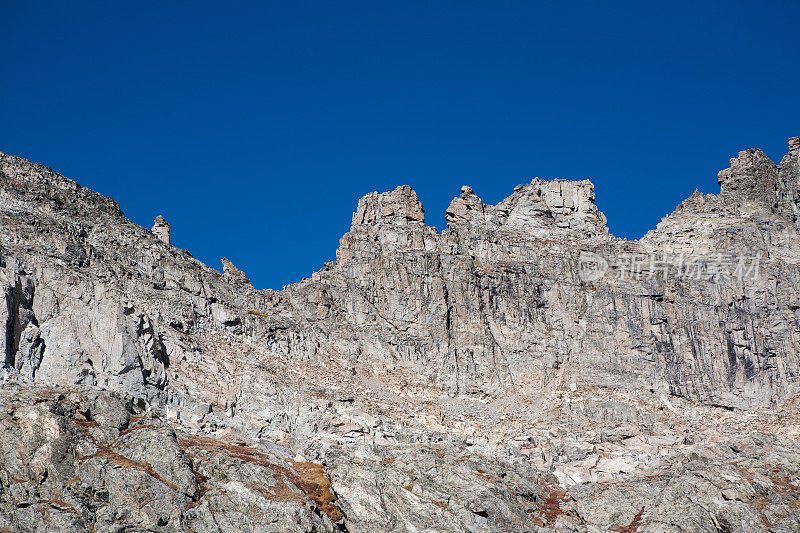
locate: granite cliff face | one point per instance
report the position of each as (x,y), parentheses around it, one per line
(521,370)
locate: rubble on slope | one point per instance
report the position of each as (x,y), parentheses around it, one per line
(521,370)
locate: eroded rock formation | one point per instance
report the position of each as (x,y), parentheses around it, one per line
(161,229)
(505,374)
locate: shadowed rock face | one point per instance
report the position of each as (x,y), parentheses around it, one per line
(498,375)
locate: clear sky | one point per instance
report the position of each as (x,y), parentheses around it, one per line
(255,127)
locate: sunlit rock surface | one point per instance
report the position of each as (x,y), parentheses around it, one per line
(521,370)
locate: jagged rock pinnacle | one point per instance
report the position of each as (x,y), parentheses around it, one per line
(233,274)
(161,229)
(400,206)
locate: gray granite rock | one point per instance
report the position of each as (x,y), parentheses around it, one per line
(520,370)
(161,229)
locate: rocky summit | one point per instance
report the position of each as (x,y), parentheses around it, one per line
(520,370)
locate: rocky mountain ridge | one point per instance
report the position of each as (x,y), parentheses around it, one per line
(522,369)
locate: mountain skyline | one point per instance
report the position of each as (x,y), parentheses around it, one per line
(255,129)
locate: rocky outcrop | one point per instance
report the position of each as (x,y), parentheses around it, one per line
(789,182)
(233,274)
(504,373)
(539,209)
(497,301)
(78,462)
(161,229)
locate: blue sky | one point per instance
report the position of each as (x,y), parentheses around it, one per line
(255,127)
